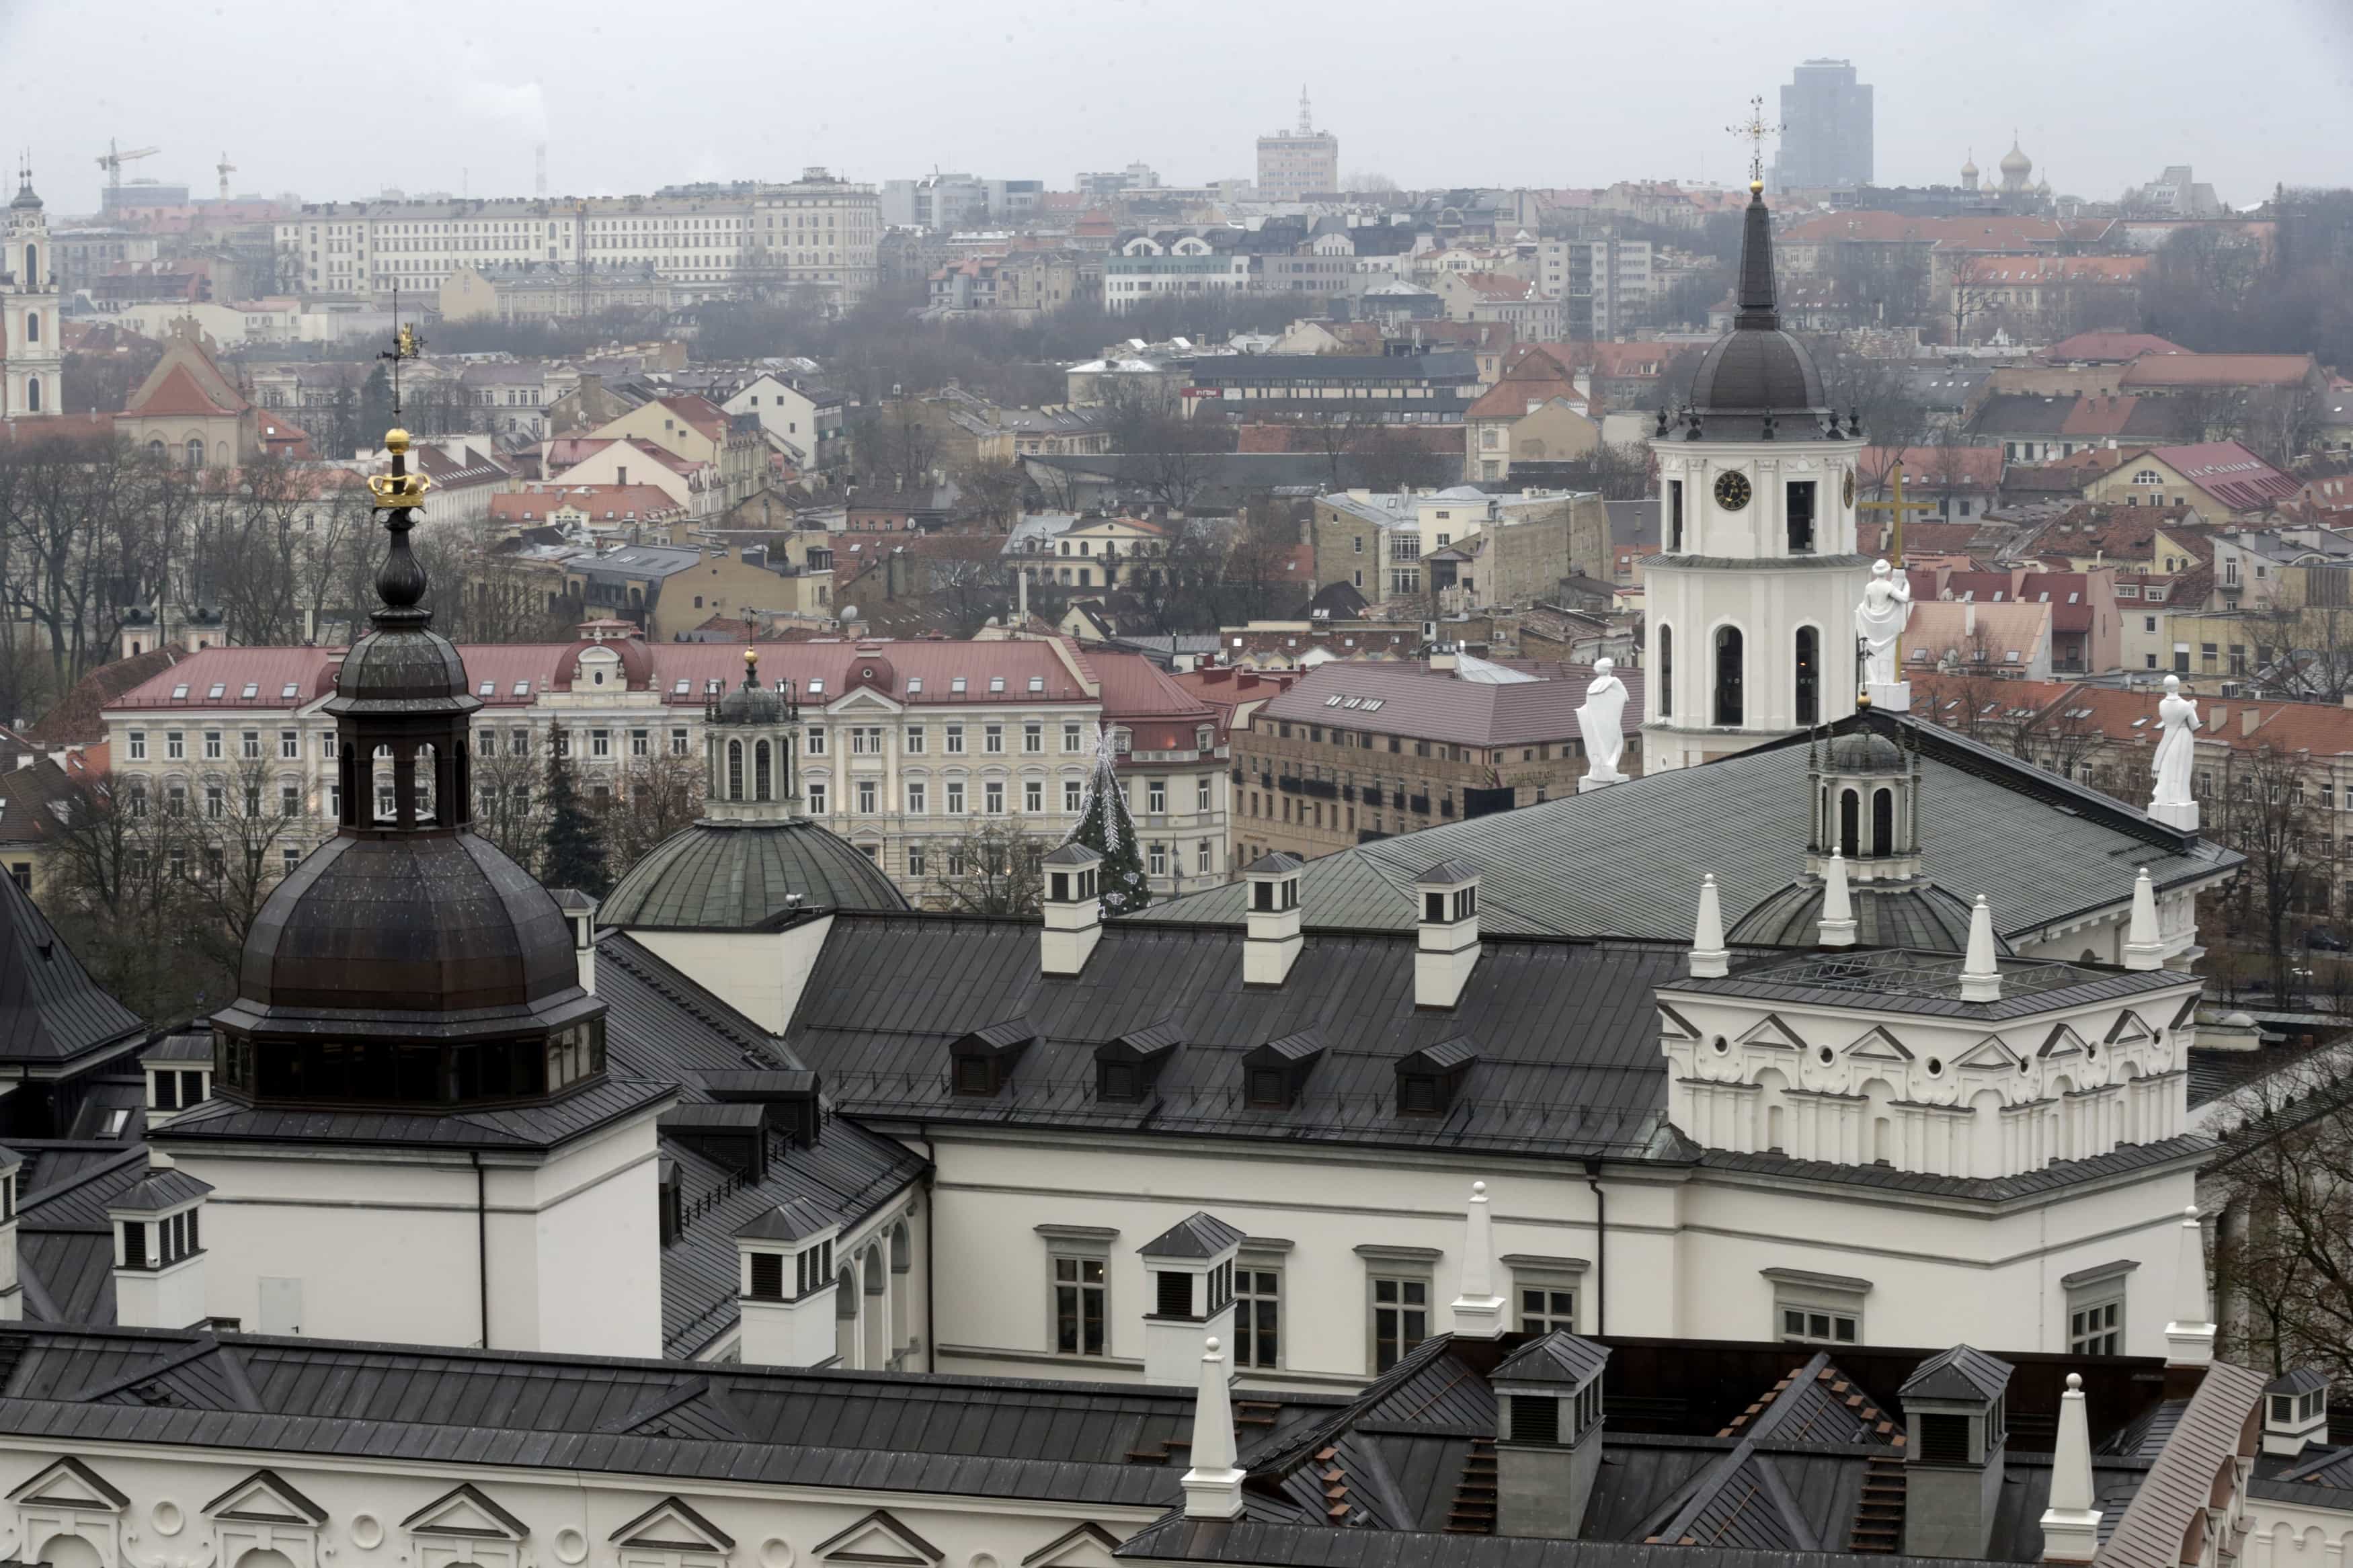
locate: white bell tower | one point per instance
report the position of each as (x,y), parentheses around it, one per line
(1750,604)
(29,310)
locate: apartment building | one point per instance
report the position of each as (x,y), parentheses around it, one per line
(1356,750)
(819,232)
(907,748)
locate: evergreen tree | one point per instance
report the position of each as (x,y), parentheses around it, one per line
(1106,827)
(375,415)
(575,842)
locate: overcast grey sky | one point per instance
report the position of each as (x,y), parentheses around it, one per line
(1564,92)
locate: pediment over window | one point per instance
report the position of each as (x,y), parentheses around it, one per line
(1674,1026)
(1878,1046)
(1771,1034)
(265,1498)
(2061,1041)
(69,1483)
(879,1538)
(2129,1029)
(671,1526)
(1990,1053)
(466,1511)
(1088,1546)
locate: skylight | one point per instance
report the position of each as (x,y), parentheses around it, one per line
(955,683)
(179,691)
(914,684)
(489,689)
(522,689)
(218,688)
(252,690)
(816,688)
(997,683)
(679,690)
(1037,683)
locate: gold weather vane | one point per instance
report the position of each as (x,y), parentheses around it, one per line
(399,489)
(1754,133)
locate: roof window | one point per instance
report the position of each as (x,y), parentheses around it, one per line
(816,689)
(217,689)
(179,691)
(290,689)
(522,689)
(955,683)
(252,690)
(1037,683)
(914,684)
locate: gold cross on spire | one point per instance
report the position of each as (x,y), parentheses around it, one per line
(1754,133)
(1896,507)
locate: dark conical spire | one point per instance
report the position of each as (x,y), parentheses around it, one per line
(1757,306)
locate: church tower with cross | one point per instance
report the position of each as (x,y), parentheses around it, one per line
(1751,599)
(28,309)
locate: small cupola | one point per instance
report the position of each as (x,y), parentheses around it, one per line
(2295,1413)
(1127,1068)
(1274,923)
(1866,794)
(1548,1430)
(1073,907)
(179,1070)
(1956,1428)
(1446,946)
(159,1282)
(983,1059)
(1192,1269)
(784,1286)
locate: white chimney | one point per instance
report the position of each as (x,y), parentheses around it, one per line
(1073,910)
(2070,1525)
(2144,948)
(1709,960)
(1443,660)
(1980,980)
(159,1255)
(2189,1337)
(786,1287)
(1191,1303)
(1838,904)
(1478,1312)
(1272,938)
(580,909)
(1213,1486)
(1447,940)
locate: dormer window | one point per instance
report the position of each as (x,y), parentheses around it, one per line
(1429,1079)
(1270,1089)
(975,1075)
(1116,1082)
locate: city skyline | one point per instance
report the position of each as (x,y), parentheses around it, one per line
(473,122)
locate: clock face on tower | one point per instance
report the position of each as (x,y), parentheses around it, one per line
(1848,494)
(1732,491)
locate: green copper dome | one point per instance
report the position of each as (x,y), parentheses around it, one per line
(744,876)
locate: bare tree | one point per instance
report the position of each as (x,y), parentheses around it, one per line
(2263,815)
(992,868)
(508,808)
(2284,1242)
(655,797)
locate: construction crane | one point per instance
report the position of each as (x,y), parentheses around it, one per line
(224,169)
(113,158)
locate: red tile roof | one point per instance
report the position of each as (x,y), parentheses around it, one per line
(2108,348)
(2218,370)
(2230,473)
(1413,700)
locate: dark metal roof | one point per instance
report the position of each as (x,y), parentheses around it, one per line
(188,1045)
(2296,1380)
(1558,1357)
(2186,1150)
(51,1011)
(162,1190)
(794,1219)
(1960,1372)
(596,1104)
(1566,1056)
(871,1431)
(1196,1236)
(1895,981)
(2180,1482)
(1072,854)
(1625,861)
(1449,871)
(746,875)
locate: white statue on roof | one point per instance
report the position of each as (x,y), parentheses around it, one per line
(1880,620)
(1602,723)
(2177,717)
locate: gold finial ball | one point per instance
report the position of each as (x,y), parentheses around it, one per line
(751,655)
(396,439)
(1755,187)
(1862,700)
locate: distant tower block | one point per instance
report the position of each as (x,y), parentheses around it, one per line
(540,173)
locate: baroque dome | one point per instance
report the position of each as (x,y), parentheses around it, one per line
(747,875)
(1757,374)
(1916,914)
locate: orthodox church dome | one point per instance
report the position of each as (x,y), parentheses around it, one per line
(2015,166)
(1756,369)
(1970,170)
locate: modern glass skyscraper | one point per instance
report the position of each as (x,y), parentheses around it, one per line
(1825,129)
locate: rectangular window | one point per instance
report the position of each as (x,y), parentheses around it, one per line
(914,740)
(1204,857)
(1159,859)
(992,739)
(175,745)
(1033,796)
(1079,1306)
(1033,738)
(956,797)
(816,740)
(2095,1325)
(1801,516)
(815,799)
(955,740)
(212,744)
(915,859)
(915,806)
(249,745)
(866,791)
(1201,792)
(601,742)
(1071,738)
(992,794)
(1544,1308)
(1401,1319)
(1257,1317)
(640,743)
(138,745)
(1073,795)
(678,743)
(1816,1326)
(1156,797)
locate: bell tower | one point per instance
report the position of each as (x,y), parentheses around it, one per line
(1751,600)
(28,309)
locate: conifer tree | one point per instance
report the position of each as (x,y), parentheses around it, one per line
(1106,827)
(576,841)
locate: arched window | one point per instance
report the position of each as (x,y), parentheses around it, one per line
(1850,814)
(32,326)
(1809,676)
(735,770)
(155,449)
(1883,822)
(1728,673)
(760,771)
(195,451)
(31,395)
(1666,672)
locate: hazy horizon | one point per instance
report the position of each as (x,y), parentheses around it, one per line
(2100,96)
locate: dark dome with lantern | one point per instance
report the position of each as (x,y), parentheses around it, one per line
(407,960)
(1866,751)
(1758,379)
(1916,914)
